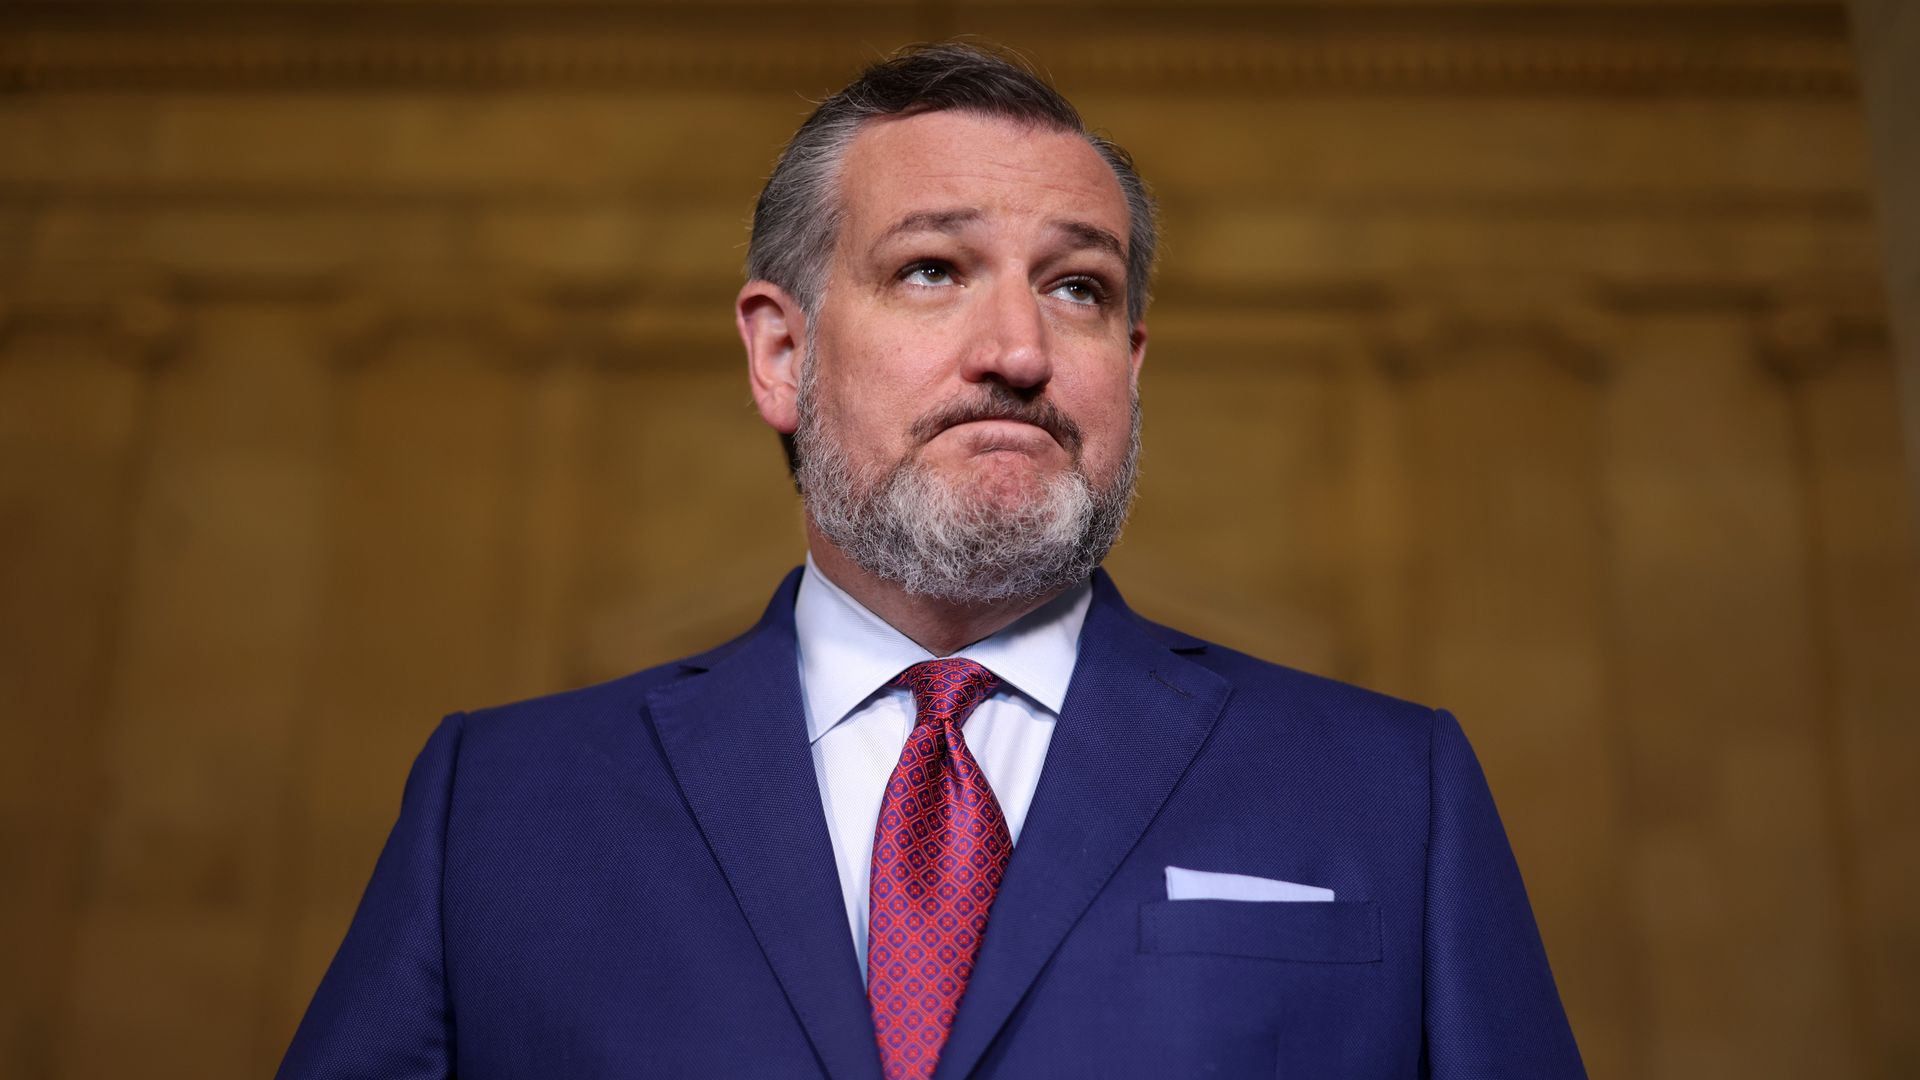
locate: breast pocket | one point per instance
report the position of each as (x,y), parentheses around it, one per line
(1336,932)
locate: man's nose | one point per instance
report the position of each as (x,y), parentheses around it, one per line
(1010,338)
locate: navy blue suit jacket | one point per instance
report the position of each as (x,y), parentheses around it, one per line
(635,880)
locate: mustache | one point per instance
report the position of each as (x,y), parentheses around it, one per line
(998,401)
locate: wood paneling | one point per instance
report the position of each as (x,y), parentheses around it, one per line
(1734,878)
(70,429)
(1867,619)
(215,622)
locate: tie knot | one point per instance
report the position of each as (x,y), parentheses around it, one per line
(948,689)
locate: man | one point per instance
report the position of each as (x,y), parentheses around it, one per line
(949,809)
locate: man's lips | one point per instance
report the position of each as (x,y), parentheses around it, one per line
(1005,409)
(999,434)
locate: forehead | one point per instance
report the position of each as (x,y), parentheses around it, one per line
(958,160)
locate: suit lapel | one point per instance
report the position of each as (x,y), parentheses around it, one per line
(736,741)
(1135,715)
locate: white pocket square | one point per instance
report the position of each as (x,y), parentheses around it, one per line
(1183,884)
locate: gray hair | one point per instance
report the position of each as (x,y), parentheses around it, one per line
(910,525)
(797,219)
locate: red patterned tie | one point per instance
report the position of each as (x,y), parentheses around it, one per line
(938,855)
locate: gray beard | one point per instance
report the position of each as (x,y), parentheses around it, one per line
(915,528)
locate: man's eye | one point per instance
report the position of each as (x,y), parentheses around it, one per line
(927,274)
(1080,291)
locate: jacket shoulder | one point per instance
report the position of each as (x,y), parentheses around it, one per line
(566,709)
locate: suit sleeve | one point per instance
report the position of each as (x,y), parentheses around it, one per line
(1491,1010)
(382,1009)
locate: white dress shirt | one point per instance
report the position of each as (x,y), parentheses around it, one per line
(858,725)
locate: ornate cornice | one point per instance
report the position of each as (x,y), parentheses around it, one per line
(137,319)
(1754,48)
(1411,328)
(1805,335)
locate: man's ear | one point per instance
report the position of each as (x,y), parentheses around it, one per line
(772,327)
(1137,347)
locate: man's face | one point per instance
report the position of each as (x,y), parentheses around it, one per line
(966,417)
(974,323)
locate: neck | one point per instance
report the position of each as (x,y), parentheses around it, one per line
(937,626)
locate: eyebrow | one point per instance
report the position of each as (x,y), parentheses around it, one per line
(1083,234)
(1093,236)
(940,221)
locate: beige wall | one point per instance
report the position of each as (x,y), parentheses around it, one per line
(363,362)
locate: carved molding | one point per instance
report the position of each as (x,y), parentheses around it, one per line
(1803,336)
(1410,328)
(1794,49)
(139,320)
(1438,325)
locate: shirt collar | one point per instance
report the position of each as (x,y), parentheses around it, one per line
(847,653)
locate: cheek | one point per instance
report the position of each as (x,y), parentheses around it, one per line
(1105,430)
(868,410)
(880,385)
